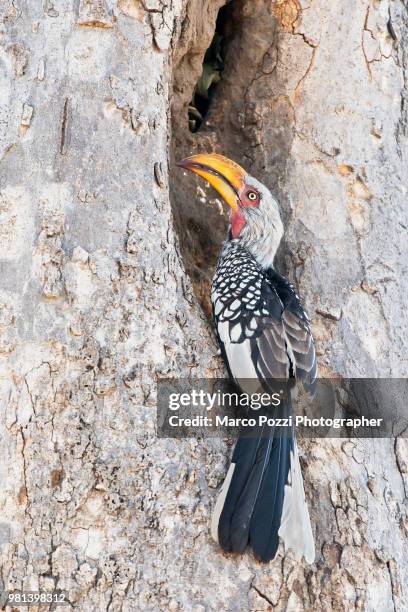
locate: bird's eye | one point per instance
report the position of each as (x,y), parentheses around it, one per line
(251,195)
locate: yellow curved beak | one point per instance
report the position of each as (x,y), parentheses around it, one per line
(227,177)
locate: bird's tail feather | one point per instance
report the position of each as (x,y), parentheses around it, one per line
(262,499)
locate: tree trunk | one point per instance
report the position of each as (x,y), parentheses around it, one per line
(104,288)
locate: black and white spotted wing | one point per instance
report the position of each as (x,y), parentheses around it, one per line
(262,327)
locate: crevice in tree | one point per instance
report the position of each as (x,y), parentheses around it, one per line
(64,128)
(211,73)
(243,105)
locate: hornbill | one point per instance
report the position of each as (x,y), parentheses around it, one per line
(264,334)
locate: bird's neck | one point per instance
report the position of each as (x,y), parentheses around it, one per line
(263,257)
(262,245)
(260,232)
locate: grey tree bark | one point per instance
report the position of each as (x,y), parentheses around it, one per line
(104,289)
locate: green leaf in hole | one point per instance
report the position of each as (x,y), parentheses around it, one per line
(209,76)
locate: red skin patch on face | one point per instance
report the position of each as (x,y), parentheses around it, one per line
(237,218)
(245,201)
(237,223)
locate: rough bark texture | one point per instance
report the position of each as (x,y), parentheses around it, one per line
(95,302)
